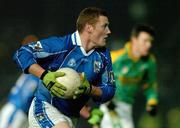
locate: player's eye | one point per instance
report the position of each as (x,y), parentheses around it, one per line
(105,26)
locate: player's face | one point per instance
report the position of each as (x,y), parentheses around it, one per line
(100,32)
(143,42)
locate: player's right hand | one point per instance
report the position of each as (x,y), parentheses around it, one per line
(50,82)
(85,87)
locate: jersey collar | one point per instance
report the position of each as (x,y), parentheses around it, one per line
(76,40)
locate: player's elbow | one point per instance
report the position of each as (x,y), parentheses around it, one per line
(107,94)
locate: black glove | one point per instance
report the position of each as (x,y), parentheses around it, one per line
(152,110)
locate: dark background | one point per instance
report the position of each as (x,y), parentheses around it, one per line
(44,18)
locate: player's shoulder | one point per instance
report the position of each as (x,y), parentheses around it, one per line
(103,52)
(149,58)
(59,39)
(58,42)
(117,54)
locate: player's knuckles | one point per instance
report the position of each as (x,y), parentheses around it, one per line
(55,90)
(53,93)
(63,87)
(57,85)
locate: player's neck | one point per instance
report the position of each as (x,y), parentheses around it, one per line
(86,42)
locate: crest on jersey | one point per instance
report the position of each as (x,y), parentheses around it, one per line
(97,66)
(142,68)
(71,62)
(125,69)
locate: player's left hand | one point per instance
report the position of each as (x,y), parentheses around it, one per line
(151,107)
(96,116)
(50,82)
(85,87)
(152,110)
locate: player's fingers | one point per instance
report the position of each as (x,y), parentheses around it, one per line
(60,86)
(59,74)
(58,93)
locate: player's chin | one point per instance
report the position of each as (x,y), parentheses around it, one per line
(103,44)
(145,53)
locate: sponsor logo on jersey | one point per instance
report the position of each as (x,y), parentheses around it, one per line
(40,116)
(71,62)
(36,46)
(97,66)
(111,77)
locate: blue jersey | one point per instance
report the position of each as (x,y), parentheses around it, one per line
(57,52)
(22,93)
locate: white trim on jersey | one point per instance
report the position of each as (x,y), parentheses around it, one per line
(76,40)
(73,39)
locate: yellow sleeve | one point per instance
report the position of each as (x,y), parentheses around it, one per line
(116,54)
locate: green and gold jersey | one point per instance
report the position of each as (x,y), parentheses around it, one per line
(133,75)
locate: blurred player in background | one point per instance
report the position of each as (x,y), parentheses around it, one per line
(14,113)
(135,70)
(84,51)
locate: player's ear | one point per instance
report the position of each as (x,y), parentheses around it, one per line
(89,28)
(133,39)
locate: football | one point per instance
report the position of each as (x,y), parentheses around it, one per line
(71,80)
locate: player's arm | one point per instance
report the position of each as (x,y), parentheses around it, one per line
(36,70)
(150,88)
(87,89)
(96,91)
(27,56)
(106,86)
